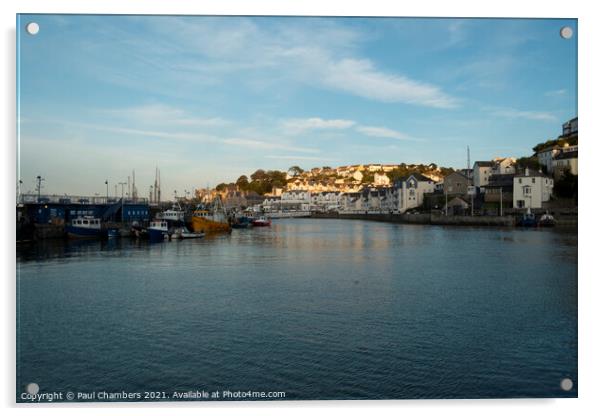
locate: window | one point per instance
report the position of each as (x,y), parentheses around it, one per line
(520,203)
(85,222)
(526,190)
(532,180)
(520,180)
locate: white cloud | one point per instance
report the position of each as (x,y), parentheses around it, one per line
(313,52)
(523,114)
(381,132)
(162,114)
(360,77)
(296,157)
(556,93)
(299,125)
(259,144)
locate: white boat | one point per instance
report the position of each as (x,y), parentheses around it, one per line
(175,214)
(183,233)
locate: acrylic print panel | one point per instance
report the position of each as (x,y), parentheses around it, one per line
(292,208)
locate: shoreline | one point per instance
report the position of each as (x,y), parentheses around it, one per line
(439,219)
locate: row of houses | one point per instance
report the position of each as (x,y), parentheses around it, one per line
(521,188)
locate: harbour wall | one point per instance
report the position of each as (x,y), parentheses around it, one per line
(440,219)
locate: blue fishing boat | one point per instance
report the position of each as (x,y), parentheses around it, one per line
(158,230)
(84,227)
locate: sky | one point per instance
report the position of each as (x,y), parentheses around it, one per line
(207,99)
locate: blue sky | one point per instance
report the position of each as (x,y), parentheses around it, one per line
(210,98)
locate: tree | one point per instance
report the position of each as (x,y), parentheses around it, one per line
(529,162)
(221,187)
(566,186)
(295,171)
(243,183)
(258,175)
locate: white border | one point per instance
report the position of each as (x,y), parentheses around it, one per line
(590,96)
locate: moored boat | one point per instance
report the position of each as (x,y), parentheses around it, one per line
(261,222)
(527,220)
(174,215)
(182,233)
(158,230)
(242,222)
(84,227)
(546,220)
(210,219)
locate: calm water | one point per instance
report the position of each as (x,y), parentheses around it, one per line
(319,309)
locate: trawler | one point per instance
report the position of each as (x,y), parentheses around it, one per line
(211,219)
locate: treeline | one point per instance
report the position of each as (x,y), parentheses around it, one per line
(404,170)
(561,141)
(260,181)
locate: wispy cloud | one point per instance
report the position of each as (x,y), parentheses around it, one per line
(524,114)
(158,113)
(297,157)
(259,144)
(556,93)
(317,52)
(299,125)
(381,132)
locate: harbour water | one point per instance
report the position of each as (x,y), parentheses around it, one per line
(315,308)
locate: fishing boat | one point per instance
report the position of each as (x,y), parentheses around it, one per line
(174,215)
(84,227)
(182,233)
(546,220)
(261,222)
(242,222)
(212,219)
(158,230)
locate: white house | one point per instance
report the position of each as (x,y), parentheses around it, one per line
(326,201)
(546,156)
(411,190)
(565,161)
(504,166)
(288,201)
(531,189)
(481,171)
(381,179)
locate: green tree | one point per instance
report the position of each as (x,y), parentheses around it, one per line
(242,182)
(295,171)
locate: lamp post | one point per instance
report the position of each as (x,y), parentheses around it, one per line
(122,184)
(39,185)
(107,183)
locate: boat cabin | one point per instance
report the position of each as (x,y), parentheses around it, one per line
(86,222)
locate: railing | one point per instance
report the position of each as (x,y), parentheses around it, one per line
(76,199)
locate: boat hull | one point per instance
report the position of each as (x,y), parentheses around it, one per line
(156,234)
(261,223)
(204,225)
(80,232)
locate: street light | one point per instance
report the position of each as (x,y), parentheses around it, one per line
(122,184)
(107,183)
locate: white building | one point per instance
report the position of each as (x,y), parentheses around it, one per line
(565,161)
(381,179)
(545,157)
(326,201)
(481,171)
(504,166)
(411,190)
(288,201)
(531,189)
